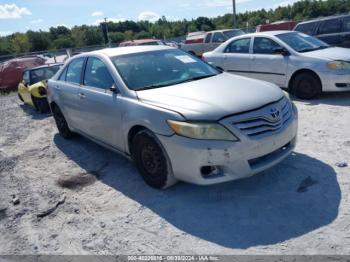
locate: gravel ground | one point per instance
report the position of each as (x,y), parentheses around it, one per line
(75,197)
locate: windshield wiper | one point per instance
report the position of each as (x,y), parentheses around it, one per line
(150,87)
(176,83)
(195,78)
(313,49)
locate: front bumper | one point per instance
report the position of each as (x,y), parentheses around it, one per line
(332,82)
(233,160)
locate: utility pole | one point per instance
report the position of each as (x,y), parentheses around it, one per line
(106,24)
(234,22)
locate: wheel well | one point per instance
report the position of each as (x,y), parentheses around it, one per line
(53,105)
(307,71)
(132,132)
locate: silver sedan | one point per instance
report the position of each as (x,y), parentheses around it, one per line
(303,64)
(177,117)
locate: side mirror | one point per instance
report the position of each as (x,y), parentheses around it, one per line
(113,89)
(281,51)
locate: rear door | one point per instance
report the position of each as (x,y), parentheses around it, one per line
(345,36)
(100,108)
(329,31)
(67,88)
(237,57)
(266,64)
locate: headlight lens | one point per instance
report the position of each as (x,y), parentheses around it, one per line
(336,65)
(206,131)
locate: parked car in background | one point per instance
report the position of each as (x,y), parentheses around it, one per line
(303,64)
(209,41)
(276,26)
(174,115)
(334,30)
(32,89)
(142,42)
(11,71)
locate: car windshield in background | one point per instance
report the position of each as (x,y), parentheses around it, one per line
(302,43)
(157,69)
(232,33)
(41,74)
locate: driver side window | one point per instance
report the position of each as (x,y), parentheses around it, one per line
(26,77)
(97,74)
(263,45)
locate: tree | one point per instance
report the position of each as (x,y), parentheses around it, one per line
(116,37)
(39,41)
(20,43)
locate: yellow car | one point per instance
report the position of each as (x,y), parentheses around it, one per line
(32,89)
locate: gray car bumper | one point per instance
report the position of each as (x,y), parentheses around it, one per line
(232,160)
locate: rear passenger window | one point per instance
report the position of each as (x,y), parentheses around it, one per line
(346,24)
(97,74)
(74,71)
(307,28)
(240,46)
(330,27)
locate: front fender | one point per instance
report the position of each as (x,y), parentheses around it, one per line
(148,116)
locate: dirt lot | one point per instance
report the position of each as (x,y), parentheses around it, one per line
(75,197)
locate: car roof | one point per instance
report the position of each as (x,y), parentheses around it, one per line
(267,33)
(119,51)
(323,19)
(43,66)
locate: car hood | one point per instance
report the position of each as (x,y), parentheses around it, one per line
(333,53)
(213,98)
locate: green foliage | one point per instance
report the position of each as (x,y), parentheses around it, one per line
(79,36)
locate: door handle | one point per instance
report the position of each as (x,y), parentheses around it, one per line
(81,96)
(57,87)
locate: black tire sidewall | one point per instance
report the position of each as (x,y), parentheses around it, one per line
(141,140)
(62,129)
(300,92)
(41,105)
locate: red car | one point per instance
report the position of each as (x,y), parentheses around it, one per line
(282,25)
(11,71)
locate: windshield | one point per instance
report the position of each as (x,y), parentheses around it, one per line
(156,69)
(232,33)
(302,42)
(41,74)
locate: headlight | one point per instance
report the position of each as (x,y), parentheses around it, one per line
(336,65)
(207,131)
(286,94)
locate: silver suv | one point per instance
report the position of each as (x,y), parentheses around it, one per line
(177,117)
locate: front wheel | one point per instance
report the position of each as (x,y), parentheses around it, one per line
(306,86)
(61,123)
(151,160)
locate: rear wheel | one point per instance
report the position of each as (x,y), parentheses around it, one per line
(41,104)
(306,86)
(61,123)
(20,97)
(151,160)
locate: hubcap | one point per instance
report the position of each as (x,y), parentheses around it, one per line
(150,159)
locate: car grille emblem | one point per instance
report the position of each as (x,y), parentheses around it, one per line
(275,114)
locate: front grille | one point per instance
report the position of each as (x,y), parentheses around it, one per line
(269,119)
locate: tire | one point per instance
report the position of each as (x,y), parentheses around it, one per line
(152,161)
(20,97)
(41,104)
(306,86)
(61,123)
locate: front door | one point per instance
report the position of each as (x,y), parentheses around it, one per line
(268,65)
(100,108)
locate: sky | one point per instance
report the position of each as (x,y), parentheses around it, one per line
(23,15)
